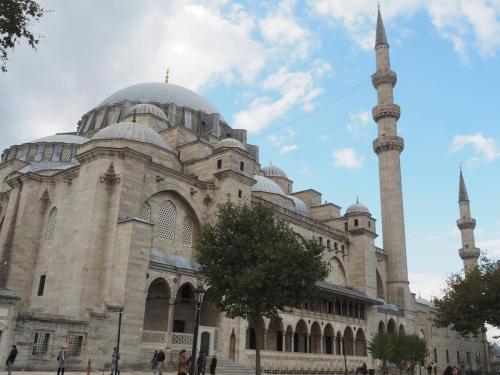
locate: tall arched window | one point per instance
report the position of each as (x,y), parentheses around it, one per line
(51,224)
(145,212)
(165,229)
(187,231)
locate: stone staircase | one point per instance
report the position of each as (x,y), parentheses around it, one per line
(226,367)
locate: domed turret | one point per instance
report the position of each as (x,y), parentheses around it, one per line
(133,131)
(357,208)
(146,109)
(273,171)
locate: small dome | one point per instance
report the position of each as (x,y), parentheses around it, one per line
(146,109)
(358,208)
(300,206)
(62,138)
(133,131)
(229,142)
(163,93)
(266,185)
(274,171)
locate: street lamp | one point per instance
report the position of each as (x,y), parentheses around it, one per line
(345,354)
(199,292)
(117,356)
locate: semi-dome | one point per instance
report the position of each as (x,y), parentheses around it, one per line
(229,142)
(300,206)
(163,93)
(62,138)
(265,185)
(273,171)
(358,208)
(146,109)
(133,131)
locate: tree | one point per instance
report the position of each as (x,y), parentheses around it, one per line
(381,347)
(470,301)
(257,266)
(15,18)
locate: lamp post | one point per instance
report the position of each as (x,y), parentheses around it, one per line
(117,357)
(198,295)
(345,355)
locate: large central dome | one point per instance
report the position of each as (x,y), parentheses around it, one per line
(163,93)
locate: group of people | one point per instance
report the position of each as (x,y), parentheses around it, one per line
(61,360)
(201,364)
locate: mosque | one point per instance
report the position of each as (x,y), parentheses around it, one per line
(105,220)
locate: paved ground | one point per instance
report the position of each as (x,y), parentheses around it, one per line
(80,373)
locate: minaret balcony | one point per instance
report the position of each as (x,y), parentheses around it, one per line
(384,77)
(466,223)
(383,144)
(468,253)
(386,110)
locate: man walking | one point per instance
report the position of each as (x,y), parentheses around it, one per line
(161,362)
(61,360)
(10,359)
(202,363)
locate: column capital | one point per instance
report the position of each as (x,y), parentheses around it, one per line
(384,76)
(385,110)
(466,223)
(383,144)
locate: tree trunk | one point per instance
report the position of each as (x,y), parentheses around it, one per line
(258,332)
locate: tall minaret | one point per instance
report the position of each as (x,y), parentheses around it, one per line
(469,252)
(388,147)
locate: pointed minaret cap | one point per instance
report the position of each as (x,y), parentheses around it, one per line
(462,191)
(381,37)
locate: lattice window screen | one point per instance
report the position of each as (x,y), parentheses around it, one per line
(47,154)
(187,231)
(66,155)
(165,229)
(145,212)
(75,345)
(31,154)
(40,343)
(51,225)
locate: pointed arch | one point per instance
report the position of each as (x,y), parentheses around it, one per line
(51,224)
(348,341)
(381,326)
(145,212)
(165,228)
(360,344)
(401,329)
(156,307)
(275,334)
(315,338)
(337,273)
(328,339)
(300,343)
(391,326)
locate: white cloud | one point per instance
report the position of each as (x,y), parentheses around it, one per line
(288,148)
(294,89)
(277,140)
(282,30)
(491,246)
(358,122)
(347,158)
(463,22)
(483,146)
(426,285)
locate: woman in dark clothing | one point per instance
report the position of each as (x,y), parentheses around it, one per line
(10,359)
(213,365)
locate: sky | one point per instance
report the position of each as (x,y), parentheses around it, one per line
(296,75)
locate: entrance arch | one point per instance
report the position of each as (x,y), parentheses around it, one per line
(315,338)
(184,309)
(391,326)
(381,326)
(328,339)
(157,305)
(348,342)
(289,339)
(275,334)
(300,338)
(360,345)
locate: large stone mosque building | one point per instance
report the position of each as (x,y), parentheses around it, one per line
(106,218)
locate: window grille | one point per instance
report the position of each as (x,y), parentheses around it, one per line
(47,154)
(40,343)
(75,345)
(66,155)
(51,225)
(165,228)
(187,231)
(41,285)
(31,154)
(145,212)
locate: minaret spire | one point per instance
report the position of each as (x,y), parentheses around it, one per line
(388,147)
(469,252)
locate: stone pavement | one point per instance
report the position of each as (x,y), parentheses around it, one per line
(81,373)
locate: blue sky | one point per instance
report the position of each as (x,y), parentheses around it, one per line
(296,74)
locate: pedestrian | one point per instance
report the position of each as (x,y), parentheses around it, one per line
(114,358)
(10,359)
(183,363)
(213,365)
(429,368)
(450,370)
(61,360)
(364,369)
(161,362)
(201,363)
(154,362)
(435,369)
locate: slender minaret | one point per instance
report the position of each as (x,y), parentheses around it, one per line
(388,146)
(469,252)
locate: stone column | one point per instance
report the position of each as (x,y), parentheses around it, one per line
(283,341)
(170,319)
(307,342)
(264,332)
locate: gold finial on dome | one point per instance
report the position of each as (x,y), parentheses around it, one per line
(167,75)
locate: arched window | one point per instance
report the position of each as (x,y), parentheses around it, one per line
(165,229)
(335,246)
(356,223)
(145,212)
(337,274)
(327,244)
(187,231)
(51,224)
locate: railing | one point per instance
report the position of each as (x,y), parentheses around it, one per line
(154,337)
(297,216)
(181,339)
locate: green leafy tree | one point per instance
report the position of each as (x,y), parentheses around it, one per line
(417,350)
(470,301)
(257,266)
(381,347)
(15,18)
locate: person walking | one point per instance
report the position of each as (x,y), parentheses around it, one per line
(183,363)
(213,365)
(61,360)
(10,359)
(201,363)
(435,369)
(161,362)
(154,362)
(429,368)
(114,358)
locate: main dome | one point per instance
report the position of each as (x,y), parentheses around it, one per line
(163,93)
